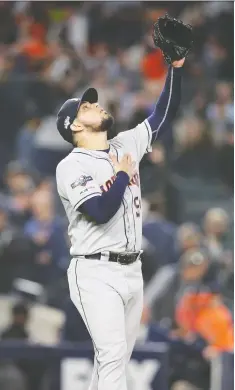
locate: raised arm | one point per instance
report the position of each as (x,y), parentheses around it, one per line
(167,104)
(140,138)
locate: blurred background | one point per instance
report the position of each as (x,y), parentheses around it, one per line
(50,51)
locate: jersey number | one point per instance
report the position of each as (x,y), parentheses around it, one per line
(137,204)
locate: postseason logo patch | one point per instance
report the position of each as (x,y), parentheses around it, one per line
(82,181)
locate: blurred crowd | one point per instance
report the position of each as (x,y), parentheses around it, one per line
(50,51)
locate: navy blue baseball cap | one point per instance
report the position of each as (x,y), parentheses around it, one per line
(69,110)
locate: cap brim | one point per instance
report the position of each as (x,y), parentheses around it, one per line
(90,95)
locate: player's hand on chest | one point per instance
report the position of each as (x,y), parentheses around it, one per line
(125,163)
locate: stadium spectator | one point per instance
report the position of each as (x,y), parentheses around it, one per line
(193,372)
(160,232)
(13,375)
(216,225)
(196,155)
(49,149)
(153,66)
(15,252)
(226,158)
(18,326)
(220,112)
(48,237)
(156,179)
(17,178)
(20,185)
(25,140)
(200,311)
(188,237)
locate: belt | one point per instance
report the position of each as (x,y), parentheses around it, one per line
(124,258)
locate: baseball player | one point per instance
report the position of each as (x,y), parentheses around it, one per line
(99,186)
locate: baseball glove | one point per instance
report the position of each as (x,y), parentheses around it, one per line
(173,37)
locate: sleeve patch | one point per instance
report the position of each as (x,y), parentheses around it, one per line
(81,181)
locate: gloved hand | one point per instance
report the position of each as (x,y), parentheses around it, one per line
(173,37)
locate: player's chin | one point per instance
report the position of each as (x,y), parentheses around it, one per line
(107,123)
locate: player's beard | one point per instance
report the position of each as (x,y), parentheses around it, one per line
(107,123)
(105,126)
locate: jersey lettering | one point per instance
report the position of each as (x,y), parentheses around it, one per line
(108,184)
(135,181)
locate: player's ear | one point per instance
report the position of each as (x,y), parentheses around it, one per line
(76,126)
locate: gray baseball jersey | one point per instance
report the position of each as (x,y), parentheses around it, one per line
(87,173)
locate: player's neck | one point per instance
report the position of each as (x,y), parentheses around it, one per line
(94,142)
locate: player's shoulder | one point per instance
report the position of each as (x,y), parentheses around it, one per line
(124,139)
(67,164)
(121,139)
(126,135)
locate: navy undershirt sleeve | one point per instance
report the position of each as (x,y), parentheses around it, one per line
(167,104)
(102,208)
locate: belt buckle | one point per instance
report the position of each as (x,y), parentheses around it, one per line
(132,255)
(119,257)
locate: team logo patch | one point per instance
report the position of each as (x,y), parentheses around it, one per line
(67,122)
(82,181)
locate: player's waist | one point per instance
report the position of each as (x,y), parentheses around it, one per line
(124,258)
